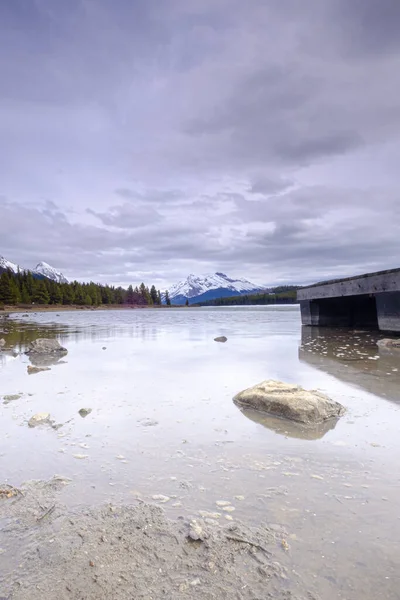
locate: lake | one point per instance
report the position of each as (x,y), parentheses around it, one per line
(164,429)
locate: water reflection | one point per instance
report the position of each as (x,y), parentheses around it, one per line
(353,357)
(290,428)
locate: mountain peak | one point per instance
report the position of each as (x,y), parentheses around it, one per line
(6,265)
(43,268)
(212,285)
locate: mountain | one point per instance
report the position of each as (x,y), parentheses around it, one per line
(41,270)
(207,287)
(7,265)
(49,272)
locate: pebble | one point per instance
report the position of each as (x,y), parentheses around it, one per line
(210,515)
(239,498)
(222,503)
(161,498)
(228,508)
(80,456)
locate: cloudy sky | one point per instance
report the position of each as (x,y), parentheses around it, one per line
(148,139)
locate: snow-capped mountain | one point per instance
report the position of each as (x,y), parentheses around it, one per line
(7,265)
(50,272)
(41,270)
(206,287)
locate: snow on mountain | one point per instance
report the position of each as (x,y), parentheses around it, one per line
(210,286)
(6,264)
(50,272)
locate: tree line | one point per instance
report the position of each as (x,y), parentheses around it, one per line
(280,295)
(23,288)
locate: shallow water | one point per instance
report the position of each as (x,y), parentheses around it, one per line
(163,423)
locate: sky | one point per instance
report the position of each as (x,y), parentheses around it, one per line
(143,140)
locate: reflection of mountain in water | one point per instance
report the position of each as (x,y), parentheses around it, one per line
(290,428)
(353,357)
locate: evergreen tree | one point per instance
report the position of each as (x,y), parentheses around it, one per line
(153,295)
(159,298)
(167,299)
(9,292)
(187,302)
(40,293)
(25,297)
(130,295)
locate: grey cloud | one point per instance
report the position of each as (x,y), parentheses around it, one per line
(178,135)
(127,216)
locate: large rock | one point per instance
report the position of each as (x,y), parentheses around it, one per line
(290,401)
(46,346)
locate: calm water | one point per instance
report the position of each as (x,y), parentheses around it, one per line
(163,423)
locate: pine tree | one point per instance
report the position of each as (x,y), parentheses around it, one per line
(167,299)
(187,302)
(40,293)
(25,297)
(159,298)
(9,292)
(153,295)
(130,295)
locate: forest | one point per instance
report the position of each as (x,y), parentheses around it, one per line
(23,288)
(279,295)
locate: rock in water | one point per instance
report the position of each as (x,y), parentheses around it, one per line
(221,339)
(32,370)
(39,419)
(389,343)
(2,343)
(84,412)
(46,346)
(290,401)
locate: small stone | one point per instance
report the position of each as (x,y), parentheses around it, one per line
(196,530)
(45,346)
(239,498)
(209,515)
(104,348)
(11,397)
(195,582)
(161,498)
(80,456)
(228,508)
(316,477)
(149,422)
(222,339)
(223,503)
(32,370)
(39,419)
(84,412)
(2,343)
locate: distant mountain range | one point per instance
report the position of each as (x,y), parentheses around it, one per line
(42,269)
(207,287)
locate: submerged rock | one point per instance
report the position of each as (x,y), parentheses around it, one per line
(46,346)
(84,412)
(2,343)
(290,401)
(39,419)
(10,398)
(389,343)
(32,370)
(221,339)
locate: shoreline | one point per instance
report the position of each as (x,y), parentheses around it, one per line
(72,308)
